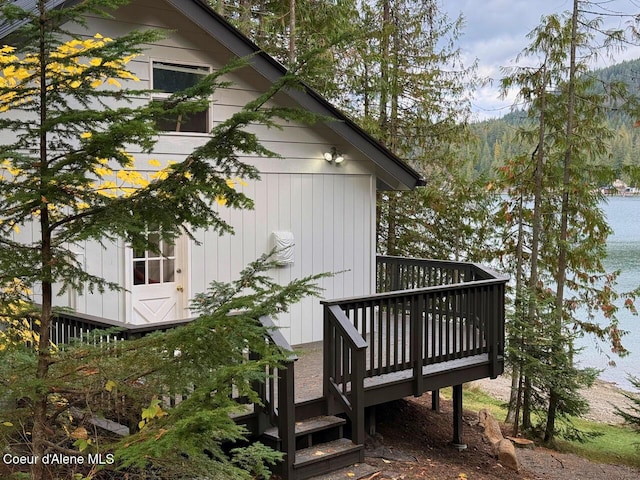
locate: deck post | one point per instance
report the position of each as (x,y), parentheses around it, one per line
(435,400)
(357,399)
(287,418)
(328,360)
(457,418)
(262,414)
(497,344)
(370,420)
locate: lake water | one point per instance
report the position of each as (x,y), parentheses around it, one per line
(623,247)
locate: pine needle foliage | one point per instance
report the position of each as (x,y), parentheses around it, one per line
(73,119)
(554,231)
(631,415)
(176,390)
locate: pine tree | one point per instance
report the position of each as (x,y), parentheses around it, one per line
(68,171)
(552,192)
(631,415)
(311,37)
(408,88)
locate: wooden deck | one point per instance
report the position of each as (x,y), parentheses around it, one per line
(308,373)
(432,324)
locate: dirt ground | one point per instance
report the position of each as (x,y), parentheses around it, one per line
(413,443)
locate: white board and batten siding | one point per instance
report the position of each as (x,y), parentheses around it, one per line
(331,218)
(329,209)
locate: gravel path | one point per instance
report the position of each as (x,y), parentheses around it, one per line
(602,397)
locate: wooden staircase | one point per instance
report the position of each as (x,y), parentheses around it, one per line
(320,446)
(433,324)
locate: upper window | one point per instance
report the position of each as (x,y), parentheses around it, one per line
(170,78)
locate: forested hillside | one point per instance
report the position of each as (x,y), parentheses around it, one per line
(496,140)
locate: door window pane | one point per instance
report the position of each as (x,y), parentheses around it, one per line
(154,271)
(167,249)
(168,270)
(154,240)
(139,277)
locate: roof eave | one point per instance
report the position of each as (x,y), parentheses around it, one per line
(200,13)
(308,98)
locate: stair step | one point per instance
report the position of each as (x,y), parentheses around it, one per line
(326,457)
(356,471)
(310,425)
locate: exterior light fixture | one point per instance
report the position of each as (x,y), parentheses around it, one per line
(333,156)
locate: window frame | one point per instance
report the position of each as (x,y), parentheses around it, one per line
(158,96)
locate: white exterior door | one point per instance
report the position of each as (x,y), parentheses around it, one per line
(158,290)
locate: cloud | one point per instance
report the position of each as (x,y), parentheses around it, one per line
(495,32)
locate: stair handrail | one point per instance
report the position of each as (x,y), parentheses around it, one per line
(348,390)
(286,409)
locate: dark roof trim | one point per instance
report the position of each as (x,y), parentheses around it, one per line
(200,13)
(7,28)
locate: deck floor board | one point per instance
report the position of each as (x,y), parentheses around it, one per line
(308,371)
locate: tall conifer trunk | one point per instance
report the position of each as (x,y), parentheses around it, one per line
(536,230)
(292,32)
(245,16)
(517,372)
(43,355)
(384,65)
(556,349)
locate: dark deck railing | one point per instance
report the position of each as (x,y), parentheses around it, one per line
(277,396)
(443,311)
(425,313)
(276,393)
(344,369)
(66,326)
(401,273)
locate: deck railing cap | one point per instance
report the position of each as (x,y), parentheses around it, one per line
(415,291)
(435,262)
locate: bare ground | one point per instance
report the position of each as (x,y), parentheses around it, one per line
(413,442)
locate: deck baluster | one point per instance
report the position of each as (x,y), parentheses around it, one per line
(417,335)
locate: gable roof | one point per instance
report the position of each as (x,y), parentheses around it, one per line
(7,28)
(201,14)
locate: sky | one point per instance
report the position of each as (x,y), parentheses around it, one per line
(495,32)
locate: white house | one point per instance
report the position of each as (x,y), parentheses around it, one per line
(326,209)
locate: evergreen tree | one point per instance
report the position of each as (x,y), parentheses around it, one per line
(631,415)
(408,88)
(552,193)
(618,161)
(68,171)
(310,37)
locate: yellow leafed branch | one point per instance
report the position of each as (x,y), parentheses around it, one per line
(72,70)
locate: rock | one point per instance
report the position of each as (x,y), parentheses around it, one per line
(506,453)
(502,448)
(492,431)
